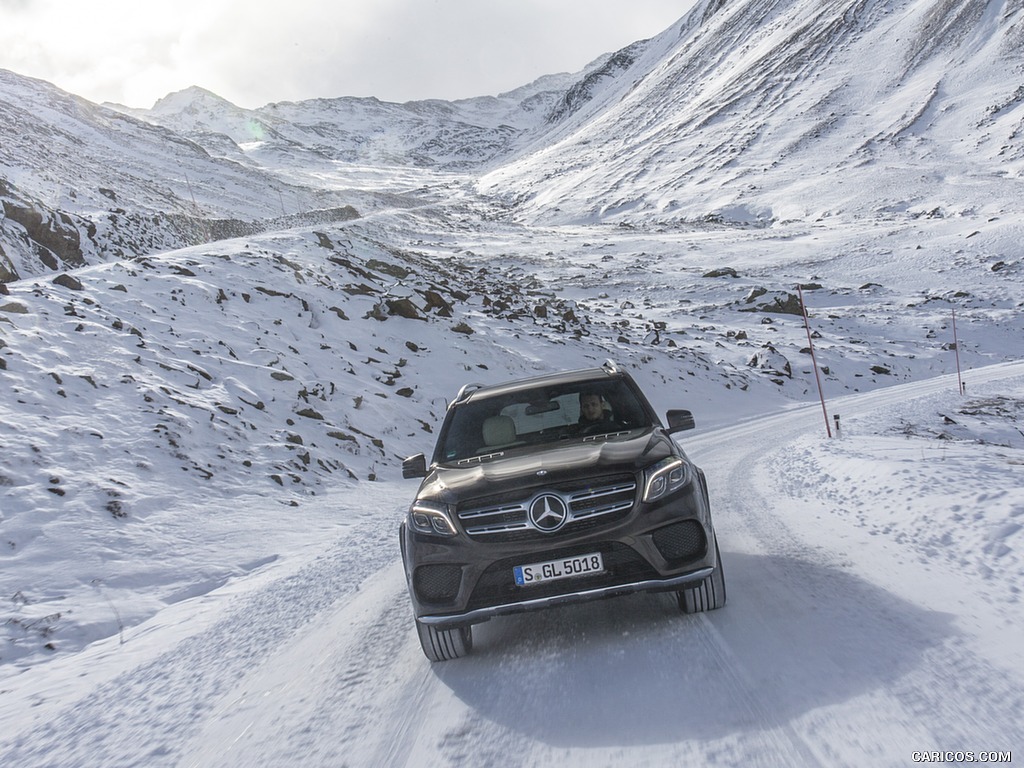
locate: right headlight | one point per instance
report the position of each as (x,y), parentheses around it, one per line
(431,518)
(665,478)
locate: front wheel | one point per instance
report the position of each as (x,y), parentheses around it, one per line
(445,644)
(709,594)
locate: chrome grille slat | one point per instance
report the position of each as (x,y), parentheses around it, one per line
(485,529)
(601,511)
(611,490)
(506,510)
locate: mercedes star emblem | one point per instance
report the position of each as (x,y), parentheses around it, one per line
(548,513)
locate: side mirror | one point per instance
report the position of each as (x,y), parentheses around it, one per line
(679,421)
(415,466)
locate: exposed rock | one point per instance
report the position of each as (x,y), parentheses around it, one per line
(436,301)
(771,361)
(721,272)
(403,308)
(360,290)
(392,270)
(782,304)
(54,231)
(68,281)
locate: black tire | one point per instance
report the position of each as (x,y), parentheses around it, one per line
(709,594)
(445,644)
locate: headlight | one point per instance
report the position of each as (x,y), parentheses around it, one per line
(427,517)
(666,477)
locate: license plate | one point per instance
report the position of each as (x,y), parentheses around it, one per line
(565,568)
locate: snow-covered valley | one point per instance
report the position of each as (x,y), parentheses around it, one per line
(203,418)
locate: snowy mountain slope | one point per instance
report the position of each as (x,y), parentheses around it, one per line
(771,110)
(195,168)
(81,184)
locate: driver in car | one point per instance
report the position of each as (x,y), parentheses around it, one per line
(592,412)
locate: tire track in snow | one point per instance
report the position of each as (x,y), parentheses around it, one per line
(331,696)
(143,716)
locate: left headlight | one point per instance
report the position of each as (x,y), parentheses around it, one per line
(666,477)
(431,518)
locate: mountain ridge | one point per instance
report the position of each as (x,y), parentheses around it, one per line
(761,67)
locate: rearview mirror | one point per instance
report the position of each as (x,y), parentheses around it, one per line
(680,420)
(543,406)
(415,466)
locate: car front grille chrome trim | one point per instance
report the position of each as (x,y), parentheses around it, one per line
(511,509)
(581,505)
(579,596)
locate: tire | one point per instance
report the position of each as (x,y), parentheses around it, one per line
(709,594)
(445,644)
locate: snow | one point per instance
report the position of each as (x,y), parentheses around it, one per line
(200,448)
(230,620)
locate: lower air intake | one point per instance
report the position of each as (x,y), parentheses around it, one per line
(437,583)
(681,541)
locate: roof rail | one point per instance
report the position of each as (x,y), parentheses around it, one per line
(610,366)
(464,392)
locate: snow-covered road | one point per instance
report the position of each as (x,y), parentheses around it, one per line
(842,644)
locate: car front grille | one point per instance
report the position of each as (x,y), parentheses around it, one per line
(589,504)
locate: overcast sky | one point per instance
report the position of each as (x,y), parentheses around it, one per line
(253,52)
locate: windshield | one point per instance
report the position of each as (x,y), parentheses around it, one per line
(578,411)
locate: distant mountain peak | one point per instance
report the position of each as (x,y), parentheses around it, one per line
(194,95)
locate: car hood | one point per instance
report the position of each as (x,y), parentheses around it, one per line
(547,466)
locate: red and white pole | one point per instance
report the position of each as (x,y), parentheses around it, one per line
(956,349)
(814,361)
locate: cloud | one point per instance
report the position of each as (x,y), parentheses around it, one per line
(254,52)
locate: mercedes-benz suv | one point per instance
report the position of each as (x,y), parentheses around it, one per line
(554,489)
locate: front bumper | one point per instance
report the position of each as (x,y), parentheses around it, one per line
(663,546)
(565,598)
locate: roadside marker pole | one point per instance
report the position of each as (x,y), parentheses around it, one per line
(814,361)
(956,349)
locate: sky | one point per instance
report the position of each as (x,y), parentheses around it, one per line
(254,52)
